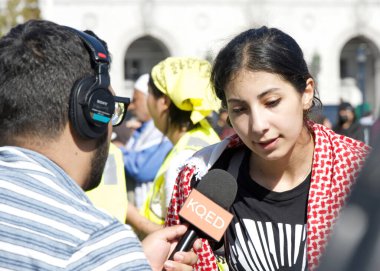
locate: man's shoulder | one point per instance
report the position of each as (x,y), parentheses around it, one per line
(52,223)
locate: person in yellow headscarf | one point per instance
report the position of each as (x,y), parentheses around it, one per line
(180,98)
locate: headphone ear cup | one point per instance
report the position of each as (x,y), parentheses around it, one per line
(80,108)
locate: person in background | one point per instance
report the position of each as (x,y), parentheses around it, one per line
(347,123)
(147,148)
(366,120)
(326,122)
(180,99)
(222,125)
(293,175)
(57,110)
(121,134)
(317,116)
(375,130)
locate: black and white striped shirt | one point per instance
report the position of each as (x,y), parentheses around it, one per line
(268,230)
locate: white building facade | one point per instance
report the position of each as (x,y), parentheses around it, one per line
(340,38)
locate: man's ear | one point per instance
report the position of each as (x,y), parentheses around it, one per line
(308,95)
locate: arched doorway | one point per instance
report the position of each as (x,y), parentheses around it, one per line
(142,55)
(360,70)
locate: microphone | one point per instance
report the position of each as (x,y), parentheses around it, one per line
(205,208)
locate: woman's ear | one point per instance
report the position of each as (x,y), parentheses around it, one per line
(308,95)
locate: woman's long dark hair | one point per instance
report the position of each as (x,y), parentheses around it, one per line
(262,49)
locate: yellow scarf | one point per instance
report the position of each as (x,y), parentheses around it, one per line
(186,81)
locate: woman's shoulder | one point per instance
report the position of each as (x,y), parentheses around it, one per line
(355,146)
(339,143)
(202,160)
(212,152)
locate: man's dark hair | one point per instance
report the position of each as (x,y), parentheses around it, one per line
(39,63)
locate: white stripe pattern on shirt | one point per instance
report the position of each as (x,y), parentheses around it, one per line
(48,223)
(255,248)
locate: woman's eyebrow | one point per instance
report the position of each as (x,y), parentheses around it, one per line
(266,92)
(261,95)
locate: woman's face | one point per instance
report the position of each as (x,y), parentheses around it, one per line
(158,109)
(346,115)
(267,112)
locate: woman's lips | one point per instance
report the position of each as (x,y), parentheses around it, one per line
(268,144)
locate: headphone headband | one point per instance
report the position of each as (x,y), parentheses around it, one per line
(96,49)
(98,53)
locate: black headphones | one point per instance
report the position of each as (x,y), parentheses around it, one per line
(91,103)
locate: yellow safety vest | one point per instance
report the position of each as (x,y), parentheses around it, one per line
(154,207)
(111,194)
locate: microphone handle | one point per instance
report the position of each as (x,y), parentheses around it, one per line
(186,242)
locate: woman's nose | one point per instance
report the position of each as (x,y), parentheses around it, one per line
(259,121)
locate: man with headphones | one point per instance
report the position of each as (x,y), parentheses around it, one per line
(57,110)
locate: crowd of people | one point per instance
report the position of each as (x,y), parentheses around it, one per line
(74,196)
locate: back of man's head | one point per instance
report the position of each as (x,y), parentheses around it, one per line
(39,63)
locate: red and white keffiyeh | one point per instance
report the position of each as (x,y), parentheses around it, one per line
(336,164)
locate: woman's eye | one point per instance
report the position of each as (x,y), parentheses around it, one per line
(272,103)
(238,109)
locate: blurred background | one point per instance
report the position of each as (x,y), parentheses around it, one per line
(340,38)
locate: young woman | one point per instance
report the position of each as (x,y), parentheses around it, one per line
(293,175)
(180,98)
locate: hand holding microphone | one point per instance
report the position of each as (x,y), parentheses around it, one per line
(205,208)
